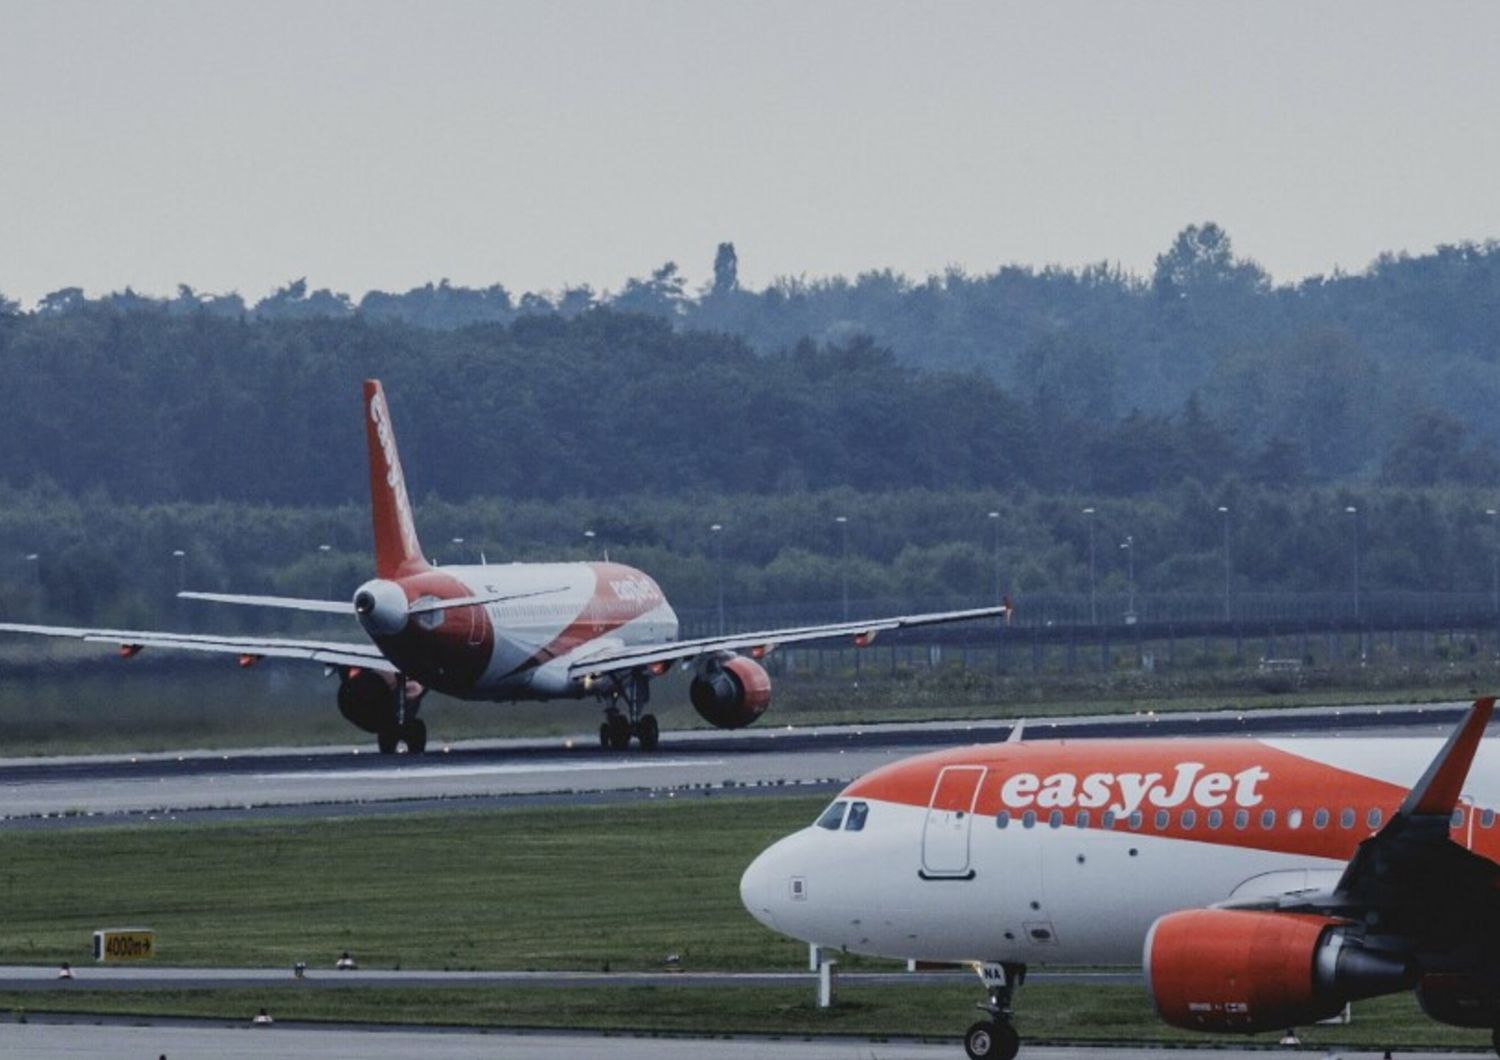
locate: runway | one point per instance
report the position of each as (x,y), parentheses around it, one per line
(93,1041)
(56,792)
(138,977)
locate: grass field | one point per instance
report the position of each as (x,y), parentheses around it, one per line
(577,888)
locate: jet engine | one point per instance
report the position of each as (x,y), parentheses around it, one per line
(1460,1000)
(1231,970)
(730,691)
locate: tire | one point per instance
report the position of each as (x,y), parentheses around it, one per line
(386,740)
(415,735)
(992,1040)
(619,732)
(648,732)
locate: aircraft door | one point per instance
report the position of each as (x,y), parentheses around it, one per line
(950,817)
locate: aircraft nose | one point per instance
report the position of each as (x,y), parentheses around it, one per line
(757,886)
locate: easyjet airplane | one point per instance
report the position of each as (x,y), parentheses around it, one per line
(1262,884)
(517,631)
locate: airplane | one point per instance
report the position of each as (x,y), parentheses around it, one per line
(1260,883)
(502,632)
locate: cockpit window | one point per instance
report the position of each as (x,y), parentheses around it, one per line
(858,811)
(833,817)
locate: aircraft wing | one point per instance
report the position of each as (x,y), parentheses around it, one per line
(249,649)
(758,643)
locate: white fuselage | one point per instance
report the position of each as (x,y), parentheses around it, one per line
(919,881)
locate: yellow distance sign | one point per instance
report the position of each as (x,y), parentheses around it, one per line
(124,944)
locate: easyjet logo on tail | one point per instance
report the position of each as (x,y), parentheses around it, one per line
(393,478)
(1124,793)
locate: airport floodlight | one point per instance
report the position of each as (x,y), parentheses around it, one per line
(325,548)
(32,557)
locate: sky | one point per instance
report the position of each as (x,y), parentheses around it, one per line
(379,145)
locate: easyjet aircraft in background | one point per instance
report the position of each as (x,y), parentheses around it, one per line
(1262,884)
(503,633)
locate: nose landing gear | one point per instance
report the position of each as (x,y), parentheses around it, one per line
(995,1038)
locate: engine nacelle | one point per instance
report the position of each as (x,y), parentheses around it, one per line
(1231,970)
(730,691)
(367,699)
(1460,1000)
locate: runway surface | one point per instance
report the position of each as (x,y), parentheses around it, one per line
(52,792)
(139,977)
(80,1041)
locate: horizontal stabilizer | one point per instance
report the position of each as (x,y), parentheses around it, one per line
(428,606)
(286,603)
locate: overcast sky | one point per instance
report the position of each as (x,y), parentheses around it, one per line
(235,146)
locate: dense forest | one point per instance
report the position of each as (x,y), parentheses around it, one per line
(229,432)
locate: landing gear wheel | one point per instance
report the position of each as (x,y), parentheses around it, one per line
(617,730)
(387,739)
(648,732)
(414,733)
(992,1040)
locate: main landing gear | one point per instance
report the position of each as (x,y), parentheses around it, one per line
(995,1038)
(634,689)
(408,730)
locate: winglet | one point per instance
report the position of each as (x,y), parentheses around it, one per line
(397,550)
(1438,791)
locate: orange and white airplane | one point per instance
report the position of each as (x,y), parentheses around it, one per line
(1261,883)
(502,633)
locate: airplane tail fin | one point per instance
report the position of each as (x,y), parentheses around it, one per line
(397,550)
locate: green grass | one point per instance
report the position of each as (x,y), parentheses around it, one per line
(533,888)
(1057,1013)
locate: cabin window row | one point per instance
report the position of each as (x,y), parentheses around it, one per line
(1241,819)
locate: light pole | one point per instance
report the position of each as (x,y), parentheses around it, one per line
(1354,512)
(458,545)
(323,551)
(1093,605)
(35,560)
(1129,546)
(181,557)
(994,518)
(1227,570)
(843,521)
(1494,564)
(589,535)
(718,531)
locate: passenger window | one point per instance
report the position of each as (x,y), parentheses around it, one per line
(833,817)
(1487,819)
(1189,819)
(1268,818)
(1082,820)
(1215,818)
(1242,819)
(1163,818)
(1028,819)
(1108,820)
(1054,819)
(1457,821)
(1374,817)
(1320,819)
(1002,819)
(857,813)
(1135,821)
(1346,818)
(1294,819)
